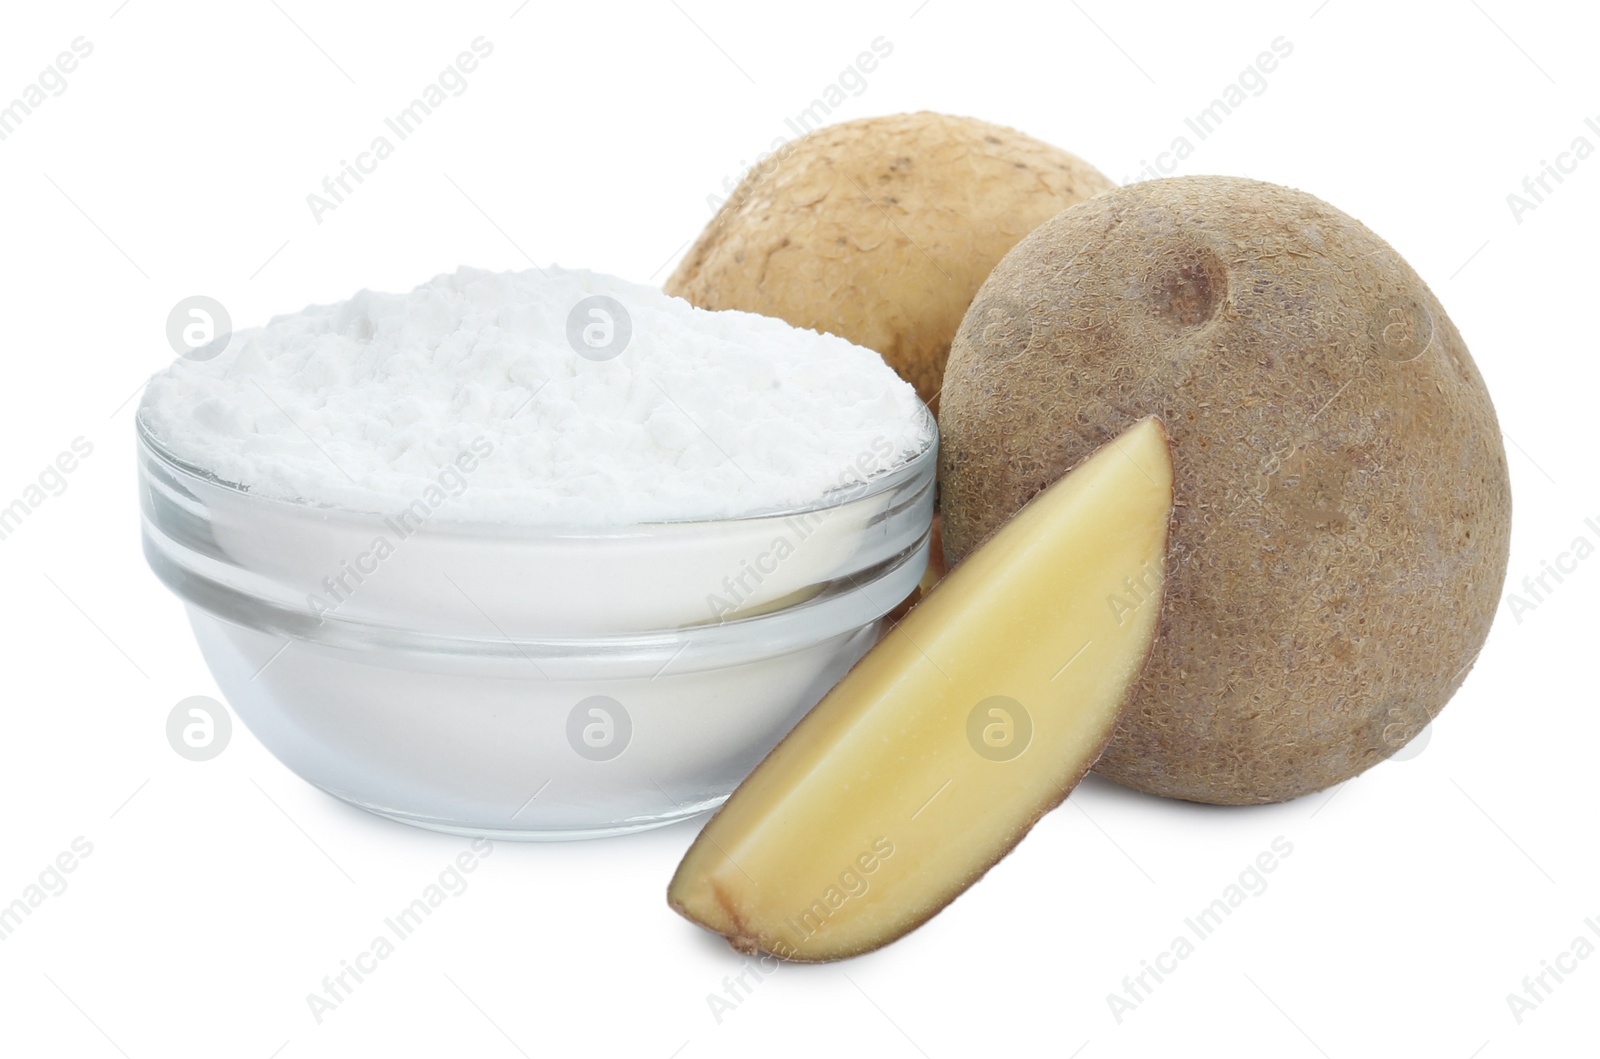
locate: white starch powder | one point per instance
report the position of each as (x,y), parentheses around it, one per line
(603,403)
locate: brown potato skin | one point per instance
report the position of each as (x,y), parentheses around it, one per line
(881,231)
(1343,509)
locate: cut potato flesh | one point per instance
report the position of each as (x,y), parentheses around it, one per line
(977,714)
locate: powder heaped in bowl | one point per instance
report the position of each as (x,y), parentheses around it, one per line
(545,397)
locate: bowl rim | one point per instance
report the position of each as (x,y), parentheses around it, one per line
(919,464)
(843,608)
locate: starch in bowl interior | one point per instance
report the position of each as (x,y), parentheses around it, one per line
(590,402)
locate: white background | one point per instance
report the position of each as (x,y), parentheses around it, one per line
(219,894)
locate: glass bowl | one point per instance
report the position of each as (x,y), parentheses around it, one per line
(520,681)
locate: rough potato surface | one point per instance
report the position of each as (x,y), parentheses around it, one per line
(1342,510)
(881,231)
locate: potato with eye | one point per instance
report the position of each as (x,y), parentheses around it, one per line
(881,230)
(1342,506)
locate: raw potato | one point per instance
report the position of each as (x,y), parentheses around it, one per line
(946,743)
(881,231)
(1343,509)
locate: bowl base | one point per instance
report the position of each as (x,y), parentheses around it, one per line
(538,834)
